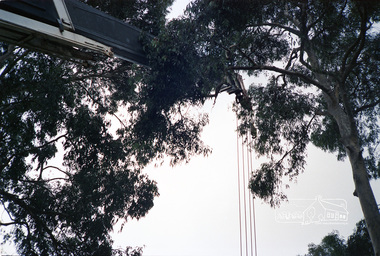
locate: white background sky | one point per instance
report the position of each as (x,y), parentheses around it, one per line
(197,212)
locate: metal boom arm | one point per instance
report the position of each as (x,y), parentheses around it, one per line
(64,27)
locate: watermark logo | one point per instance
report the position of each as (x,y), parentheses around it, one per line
(313,211)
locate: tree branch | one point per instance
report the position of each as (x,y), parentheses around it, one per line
(303,77)
(364,107)
(279,162)
(47,143)
(358,44)
(59,169)
(10,223)
(13,62)
(7,53)
(101,105)
(278,25)
(33,212)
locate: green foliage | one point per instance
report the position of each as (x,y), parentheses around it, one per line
(146,15)
(66,175)
(319,56)
(332,244)
(322,62)
(65,208)
(282,119)
(359,243)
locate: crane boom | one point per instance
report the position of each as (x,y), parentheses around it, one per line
(64,27)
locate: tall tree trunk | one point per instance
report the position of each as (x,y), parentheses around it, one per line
(366,197)
(363,190)
(350,139)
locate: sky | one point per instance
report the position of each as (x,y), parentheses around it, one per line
(197,212)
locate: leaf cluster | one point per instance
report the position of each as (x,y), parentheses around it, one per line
(357,243)
(146,15)
(316,54)
(281,122)
(65,179)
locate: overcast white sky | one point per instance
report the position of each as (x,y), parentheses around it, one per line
(197,212)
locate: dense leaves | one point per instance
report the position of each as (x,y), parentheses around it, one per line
(320,58)
(66,177)
(146,15)
(75,136)
(62,204)
(359,243)
(316,54)
(332,244)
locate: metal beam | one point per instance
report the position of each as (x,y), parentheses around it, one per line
(69,24)
(101,27)
(30,33)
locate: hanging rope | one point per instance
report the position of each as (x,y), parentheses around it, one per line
(245,200)
(252,197)
(238,167)
(250,223)
(249,171)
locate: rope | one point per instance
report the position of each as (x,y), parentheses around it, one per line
(238,167)
(245,201)
(241,163)
(253,210)
(254,225)
(249,199)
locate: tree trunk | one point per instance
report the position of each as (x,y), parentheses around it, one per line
(366,197)
(350,139)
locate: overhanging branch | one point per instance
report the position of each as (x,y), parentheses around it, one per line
(278,25)
(358,45)
(303,77)
(364,107)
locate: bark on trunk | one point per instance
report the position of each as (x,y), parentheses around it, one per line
(366,197)
(350,139)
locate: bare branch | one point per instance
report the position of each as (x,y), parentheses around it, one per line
(295,144)
(59,169)
(9,223)
(43,180)
(51,141)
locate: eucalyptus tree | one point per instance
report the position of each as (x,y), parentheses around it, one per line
(332,244)
(358,243)
(65,178)
(66,175)
(321,59)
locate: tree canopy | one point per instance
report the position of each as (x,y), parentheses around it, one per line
(321,60)
(63,204)
(66,175)
(357,243)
